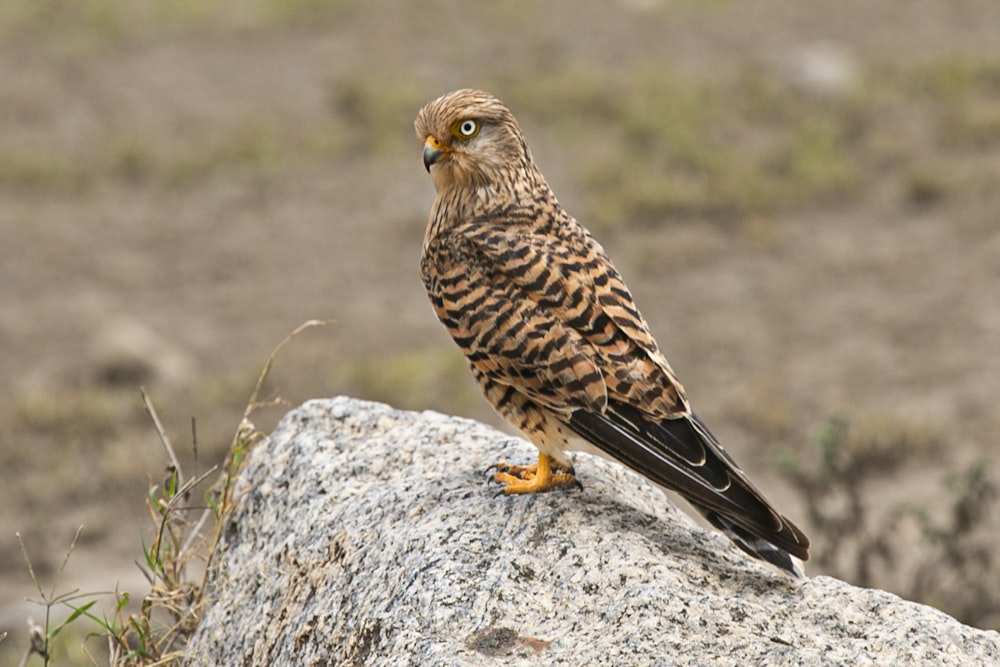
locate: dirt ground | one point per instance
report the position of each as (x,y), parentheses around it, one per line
(803,197)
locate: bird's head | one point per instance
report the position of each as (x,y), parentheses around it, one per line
(470,140)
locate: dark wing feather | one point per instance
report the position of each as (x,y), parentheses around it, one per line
(683,455)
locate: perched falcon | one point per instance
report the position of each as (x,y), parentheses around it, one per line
(553,336)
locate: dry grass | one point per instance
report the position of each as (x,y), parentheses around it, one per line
(187,521)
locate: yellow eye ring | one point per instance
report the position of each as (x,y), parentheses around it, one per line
(465,129)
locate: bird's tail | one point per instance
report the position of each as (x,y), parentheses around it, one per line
(753,545)
(683,455)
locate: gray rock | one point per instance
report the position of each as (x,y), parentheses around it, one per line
(369,536)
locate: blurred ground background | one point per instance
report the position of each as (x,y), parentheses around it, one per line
(803,197)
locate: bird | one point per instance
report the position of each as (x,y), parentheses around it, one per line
(553,336)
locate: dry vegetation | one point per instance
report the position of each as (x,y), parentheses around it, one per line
(803,197)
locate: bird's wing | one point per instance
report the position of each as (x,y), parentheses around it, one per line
(648,425)
(557,323)
(549,314)
(682,454)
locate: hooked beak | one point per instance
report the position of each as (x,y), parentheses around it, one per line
(433,151)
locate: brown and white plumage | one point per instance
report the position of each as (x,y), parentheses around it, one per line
(553,336)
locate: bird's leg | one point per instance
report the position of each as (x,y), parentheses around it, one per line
(542,476)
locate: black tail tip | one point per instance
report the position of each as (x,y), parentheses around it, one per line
(757,547)
(763,550)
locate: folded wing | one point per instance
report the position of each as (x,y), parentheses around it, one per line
(682,454)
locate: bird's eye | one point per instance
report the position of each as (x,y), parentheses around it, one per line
(466,129)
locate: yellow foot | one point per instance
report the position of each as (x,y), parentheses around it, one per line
(542,476)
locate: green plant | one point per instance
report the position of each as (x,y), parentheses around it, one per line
(835,501)
(960,573)
(170,612)
(949,561)
(42,636)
